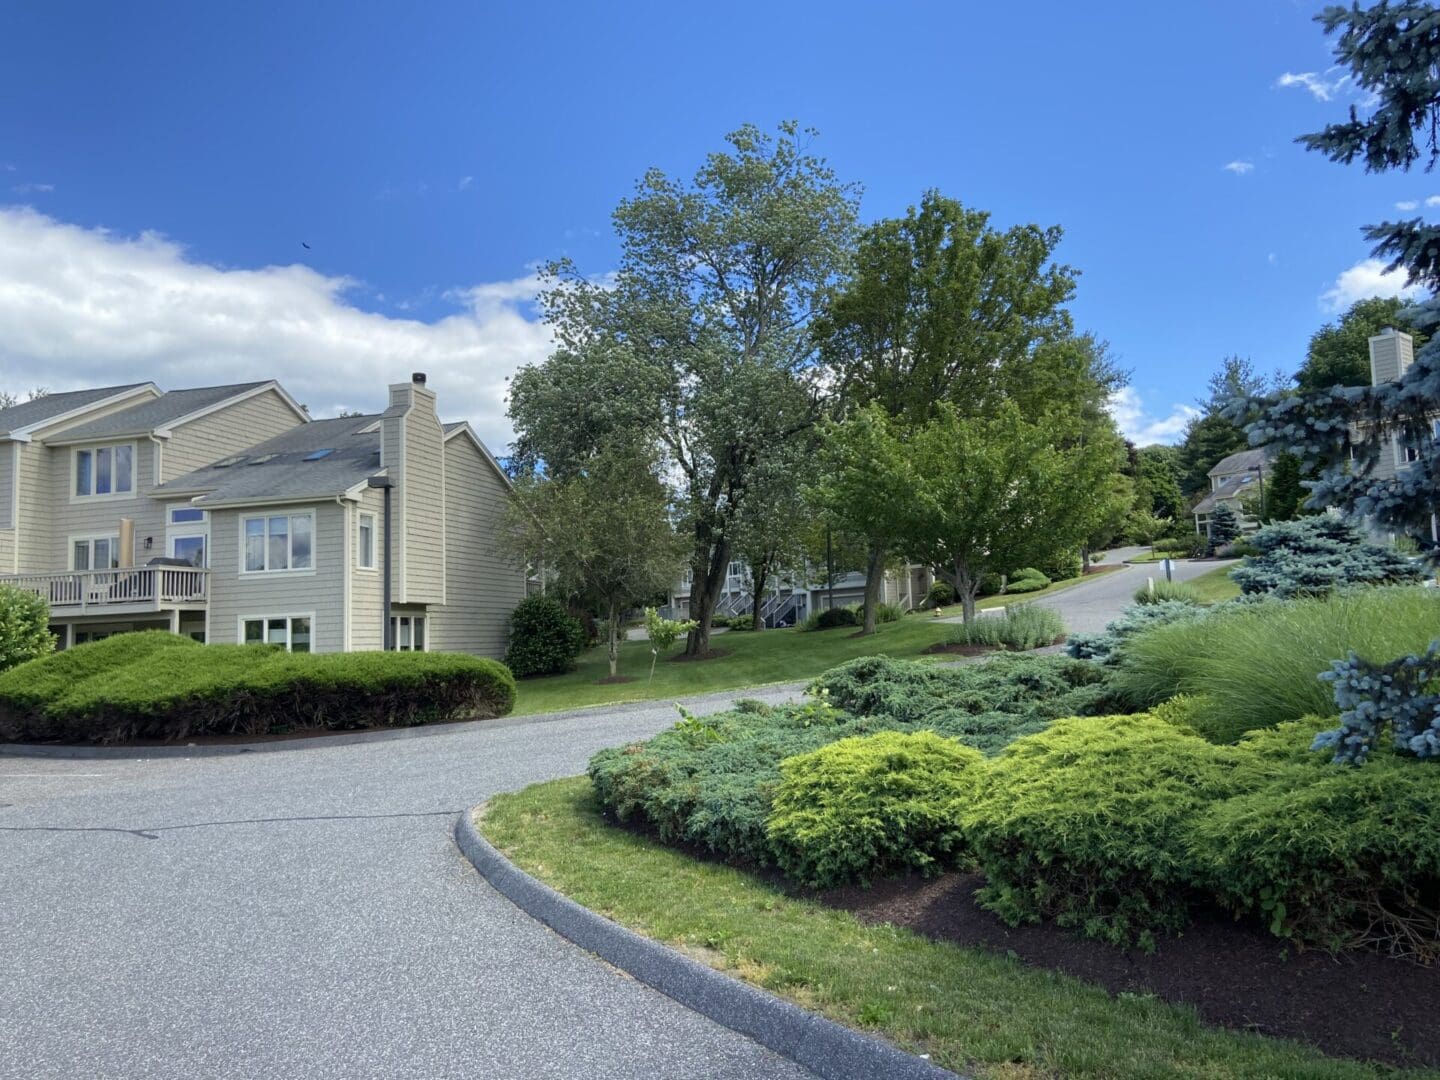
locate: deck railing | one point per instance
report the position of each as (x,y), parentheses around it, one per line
(84,590)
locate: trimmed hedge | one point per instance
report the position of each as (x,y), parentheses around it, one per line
(545,639)
(872,805)
(1084,823)
(157,686)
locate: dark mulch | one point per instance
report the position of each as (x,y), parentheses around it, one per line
(1356,1004)
(614,680)
(1092,570)
(713,654)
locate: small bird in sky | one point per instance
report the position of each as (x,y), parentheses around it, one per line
(304,245)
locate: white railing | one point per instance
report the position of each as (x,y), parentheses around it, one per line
(83,590)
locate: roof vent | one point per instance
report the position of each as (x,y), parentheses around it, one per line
(418,378)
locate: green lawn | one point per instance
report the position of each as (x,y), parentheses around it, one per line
(968,1008)
(1215,585)
(755,659)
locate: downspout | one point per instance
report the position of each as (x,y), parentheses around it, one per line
(387,485)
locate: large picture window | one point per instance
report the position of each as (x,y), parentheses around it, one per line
(105,470)
(279,542)
(291,631)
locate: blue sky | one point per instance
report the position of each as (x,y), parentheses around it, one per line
(161,165)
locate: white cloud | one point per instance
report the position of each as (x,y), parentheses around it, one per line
(26,189)
(84,307)
(1142,428)
(465,182)
(1432,201)
(1239,168)
(1322,86)
(1365,279)
(1407,204)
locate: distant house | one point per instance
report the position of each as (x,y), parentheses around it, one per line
(788,601)
(227,514)
(1232,480)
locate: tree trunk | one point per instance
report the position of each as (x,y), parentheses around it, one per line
(703,590)
(760,574)
(874,579)
(614,623)
(967,585)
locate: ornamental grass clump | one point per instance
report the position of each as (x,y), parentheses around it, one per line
(1159,591)
(871,806)
(1257,665)
(1021,628)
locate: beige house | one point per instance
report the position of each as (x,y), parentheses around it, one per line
(1232,480)
(226,513)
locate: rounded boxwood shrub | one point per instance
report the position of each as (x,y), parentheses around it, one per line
(831,618)
(24,627)
(1086,822)
(941,594)
(1027,580)
(166,691)
(871,806)
(1325,854)
(545,639)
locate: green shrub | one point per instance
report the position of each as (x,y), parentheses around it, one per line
(1106,647)
(990,584)
(709,781)
(545,639)
(719,622)
(1325,854)
(870,806)
(941,594)
(1021,628)
(1085,823)
(888,613)
(1159,590)
(1258,664)
(741,622)
(1062,566)
(830,618)
(1190,546)
(24,627)
(1026,580)
(1315,555)
(986,706)
(27,689)
(1178,712)
(165,692)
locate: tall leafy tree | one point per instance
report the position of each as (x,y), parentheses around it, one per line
(604,530)
(702,341)
(769,529)
(1339,353)
(1392,51)
(1157,481)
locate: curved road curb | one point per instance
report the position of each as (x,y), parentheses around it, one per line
(822,1046)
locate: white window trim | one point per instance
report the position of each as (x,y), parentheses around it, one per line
(112,496)
(374,565)
(304,571)
(90,538)
(241,620)
(424,616)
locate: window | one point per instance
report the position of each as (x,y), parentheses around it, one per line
(189,548)
(279,542)
(291,631)
(105,470)
(365,546)
(408,632)
(183,515)
(95,553)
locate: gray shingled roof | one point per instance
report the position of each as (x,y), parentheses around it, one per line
(284,475)
(1227,491)
(1243,461)
(150,415)
(28,413)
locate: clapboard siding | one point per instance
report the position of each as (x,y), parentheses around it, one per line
(481,587)
(225,432)
(367,587)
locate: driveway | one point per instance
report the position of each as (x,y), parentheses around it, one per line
(305,914)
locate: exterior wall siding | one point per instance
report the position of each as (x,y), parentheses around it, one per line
(7,485)
(367,587)
(234,596)
(228,431)
(423,486)
(481,588)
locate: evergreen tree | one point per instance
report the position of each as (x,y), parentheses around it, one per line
(1284,495)
(1392,52)
(1224,527)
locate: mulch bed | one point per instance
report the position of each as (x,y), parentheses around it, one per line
(713,654)
(1092,570)
(1356,1004)
(615,680)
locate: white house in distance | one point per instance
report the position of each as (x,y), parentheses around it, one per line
(227,513)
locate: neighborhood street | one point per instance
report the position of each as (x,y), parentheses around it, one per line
(305,913)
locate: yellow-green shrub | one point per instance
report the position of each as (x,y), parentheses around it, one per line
(871,806)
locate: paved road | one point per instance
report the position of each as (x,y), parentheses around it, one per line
(305,914)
